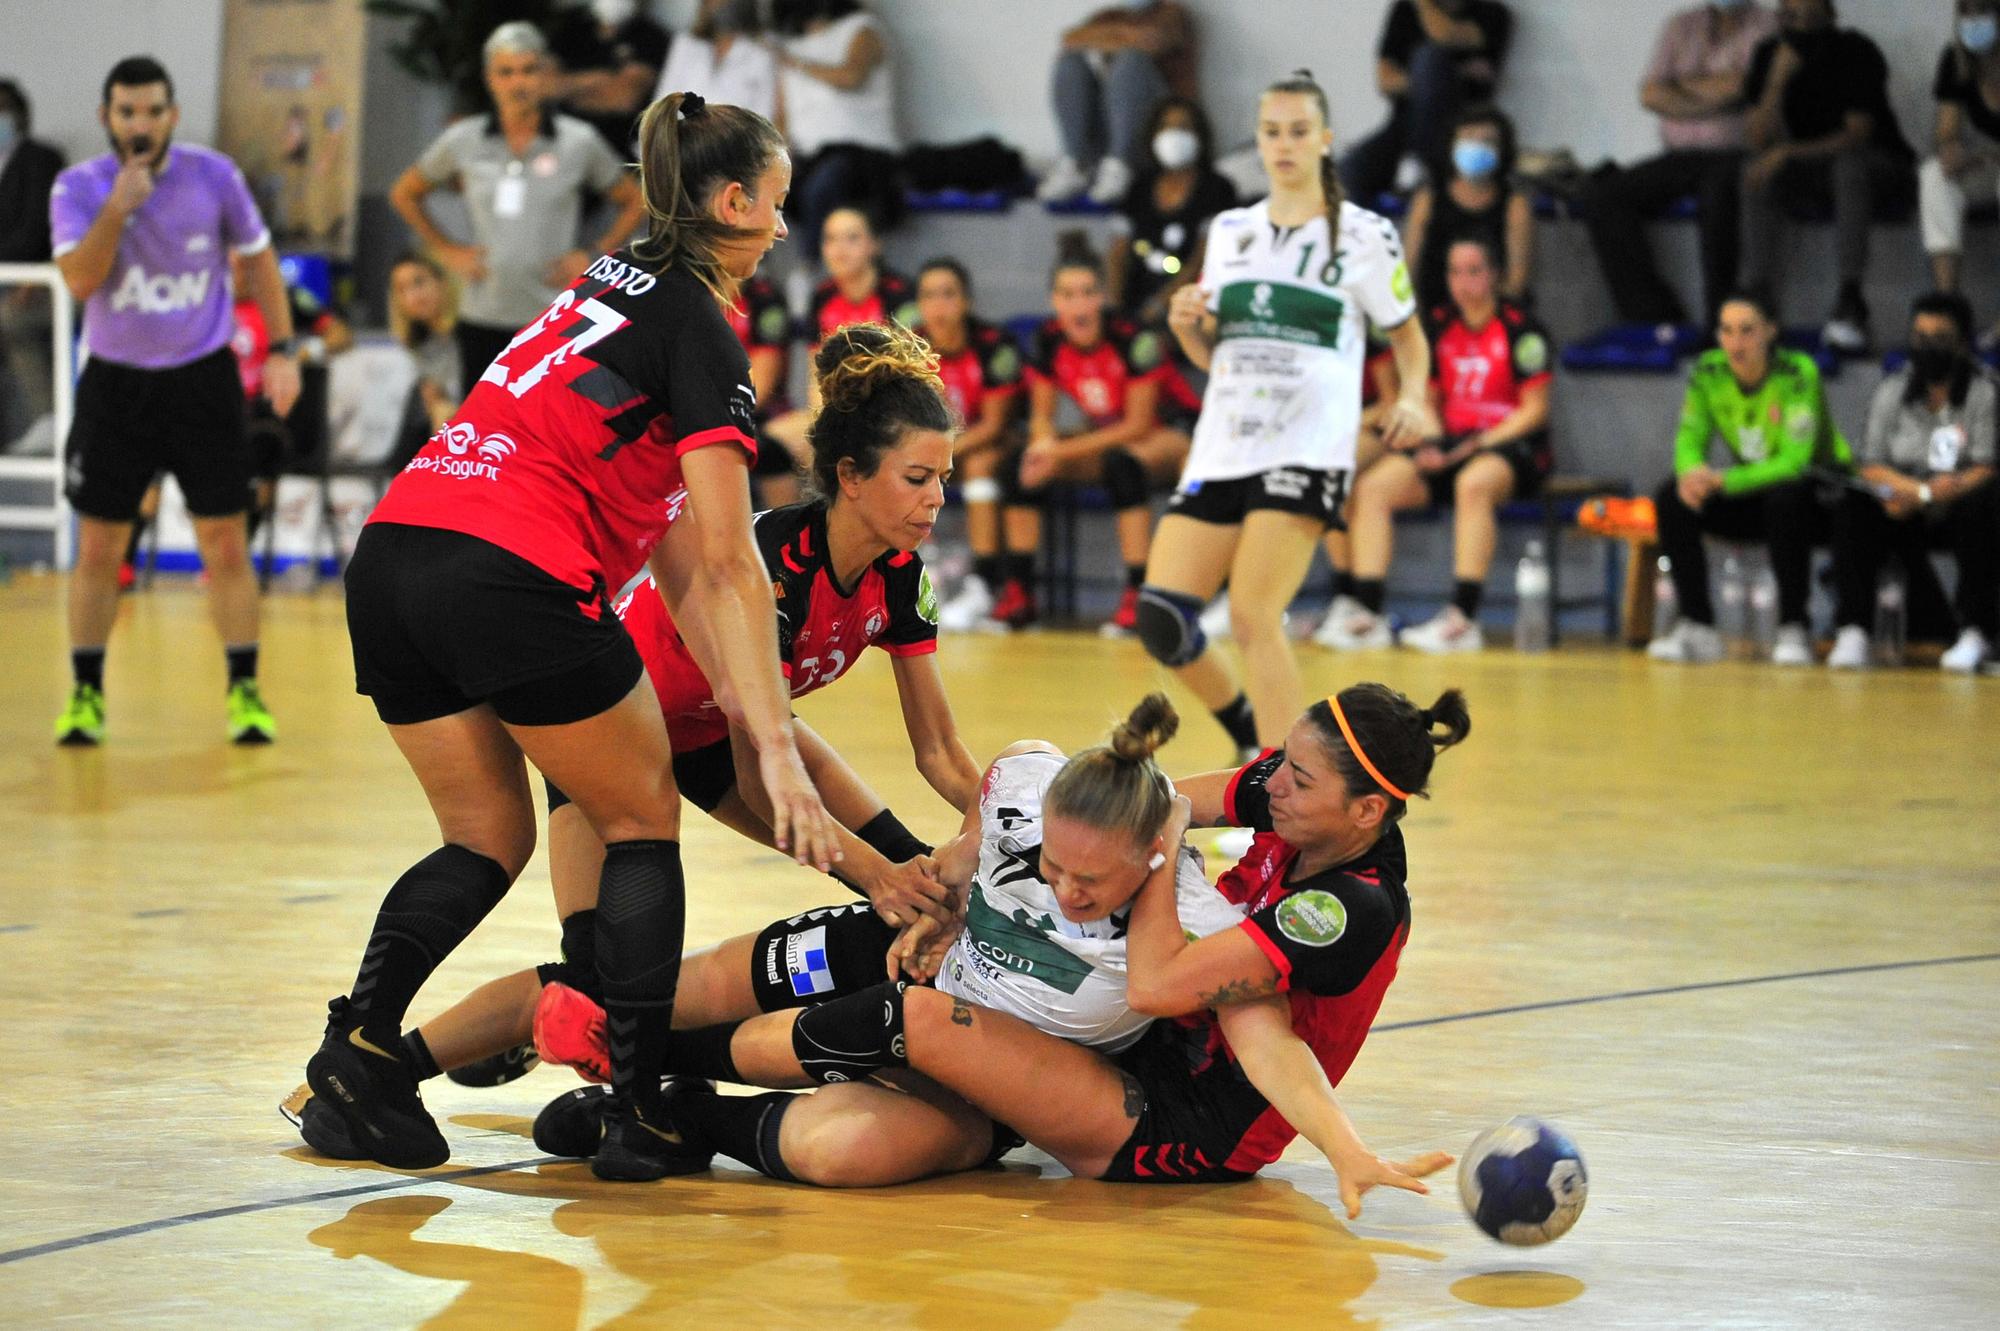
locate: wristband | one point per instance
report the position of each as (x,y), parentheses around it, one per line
(285,346)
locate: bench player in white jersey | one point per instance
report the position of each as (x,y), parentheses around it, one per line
(1280,320)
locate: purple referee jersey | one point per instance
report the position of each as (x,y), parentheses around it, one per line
(167,301)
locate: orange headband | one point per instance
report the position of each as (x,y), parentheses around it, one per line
(1347,731)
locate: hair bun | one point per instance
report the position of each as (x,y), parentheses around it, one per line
(856,359)
(692,105)
(1152,723)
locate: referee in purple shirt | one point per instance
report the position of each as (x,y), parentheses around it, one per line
(143,236)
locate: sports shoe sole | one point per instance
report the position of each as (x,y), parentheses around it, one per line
(339,1076)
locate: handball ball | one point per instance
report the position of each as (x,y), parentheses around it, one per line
(1523,1182)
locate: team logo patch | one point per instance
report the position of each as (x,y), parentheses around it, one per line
(1531,353)
(805,960)
(1146,350)
(1005,366)
(773,324)
(1399,284)
(927,602)
(1314,918)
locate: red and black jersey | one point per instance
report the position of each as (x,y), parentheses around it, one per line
(822,630)
(986,367)
(759,318)
(893,300)
(1335,938)
(1480,376)
(1097,378)
(567,452)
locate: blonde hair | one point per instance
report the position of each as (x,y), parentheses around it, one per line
(1117,787)
(687,151)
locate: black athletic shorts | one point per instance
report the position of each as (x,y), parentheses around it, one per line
(1192,1122)
(1531,460)
(132,424)
(1308,491)
(703,776)
(442,621)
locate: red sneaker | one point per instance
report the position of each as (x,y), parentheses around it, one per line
(1016,606)
(1125,619)
(569,1029)
(128,577)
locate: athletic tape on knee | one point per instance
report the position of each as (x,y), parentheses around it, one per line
(1169,626)
(818,956)
(1124,479)
(981,490)
(849,1038)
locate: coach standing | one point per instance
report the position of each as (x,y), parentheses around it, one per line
(524,171)
(143,236)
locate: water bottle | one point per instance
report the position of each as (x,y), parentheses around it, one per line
(1666,601)
(1889,625)
(1764,611)
(1531,601)
(1731,620)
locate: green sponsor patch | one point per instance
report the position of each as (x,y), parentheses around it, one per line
(927,603)
(1005,364)
(773,324)
(1313,918)
(1280,312)
(1531,354)
(1023,944)
(1399,283)
(1146,351)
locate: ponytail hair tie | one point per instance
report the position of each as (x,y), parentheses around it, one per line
(692,105)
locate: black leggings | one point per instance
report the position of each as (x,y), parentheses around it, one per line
(1786,517)
(1969,527)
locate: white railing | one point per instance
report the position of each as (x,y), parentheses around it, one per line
(54,516)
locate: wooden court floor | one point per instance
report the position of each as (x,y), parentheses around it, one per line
(1737,930)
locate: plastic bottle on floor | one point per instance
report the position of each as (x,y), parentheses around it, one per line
(1532,612)
(1666,601)
(1732,610)
(1764,611)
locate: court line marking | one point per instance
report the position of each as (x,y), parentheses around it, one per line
(457,1175)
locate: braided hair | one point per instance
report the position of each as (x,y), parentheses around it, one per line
(1301,82)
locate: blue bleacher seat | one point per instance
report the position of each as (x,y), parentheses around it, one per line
(959,201)
(1631,349)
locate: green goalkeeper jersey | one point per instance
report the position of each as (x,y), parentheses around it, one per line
(1773,433)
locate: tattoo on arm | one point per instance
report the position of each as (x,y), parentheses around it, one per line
(1135,1096)
(1237,991)
(961,1012)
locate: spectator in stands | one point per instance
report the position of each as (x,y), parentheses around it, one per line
(423,314)
(1491,389)
(1094,418)
(1967,89)
(1115,68)
(608,56)
(1927,469)
(721,58)
(1156,247)
(1768,408)
(524,173)
(857,289)
(1435,58)
(1821,129)
(762,322)
(1477,201)
(1695,86)
(836,78)
(28,170)
(981,368)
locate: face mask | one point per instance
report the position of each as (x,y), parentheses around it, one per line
(1176,148)
(614,13)
(10,130)
(1934,362)
(1979,32)
(420,332)
(1475,159)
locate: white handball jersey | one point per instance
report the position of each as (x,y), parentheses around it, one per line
(1292,314)
(1018,954)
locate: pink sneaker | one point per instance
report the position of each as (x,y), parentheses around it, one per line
(569,1029)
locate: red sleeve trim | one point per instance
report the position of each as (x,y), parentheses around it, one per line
(1545,377)
(924,648)
(1000,391)
(1229,796)
(1271,950)
(721,434)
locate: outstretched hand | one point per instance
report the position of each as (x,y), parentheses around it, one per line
(1360,1174)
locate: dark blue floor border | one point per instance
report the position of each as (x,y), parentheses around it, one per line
(421,1180)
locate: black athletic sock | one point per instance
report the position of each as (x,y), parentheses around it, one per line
(417,1056)
(1135,575)
(1371,592)
(742,1127)
(1466,595)
(1343,582)
(987,569)
(701,1052)
(641,920)
(1021,569)
(433,906)
(1239,721)
(242,662)
(886,835)
(87,664)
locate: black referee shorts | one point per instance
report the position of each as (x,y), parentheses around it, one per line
(131,425)
(442,622)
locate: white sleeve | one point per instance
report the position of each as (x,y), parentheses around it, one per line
(1381,282)
(1203,910)
(1218,227)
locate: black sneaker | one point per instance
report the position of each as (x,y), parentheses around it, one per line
(635,1151)
(573,1122)
(322,1127)
(375,1096)
(503,1067)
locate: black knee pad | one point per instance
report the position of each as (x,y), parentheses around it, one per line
(1170,626)
(1124,479)
(578,967)
(824,954)
(442,898)
(852,1037)
(641,916)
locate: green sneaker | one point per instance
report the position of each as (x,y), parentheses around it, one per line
(250,722)
(81,724)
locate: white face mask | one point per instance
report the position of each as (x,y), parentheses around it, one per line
(614,13)
(1176,148)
